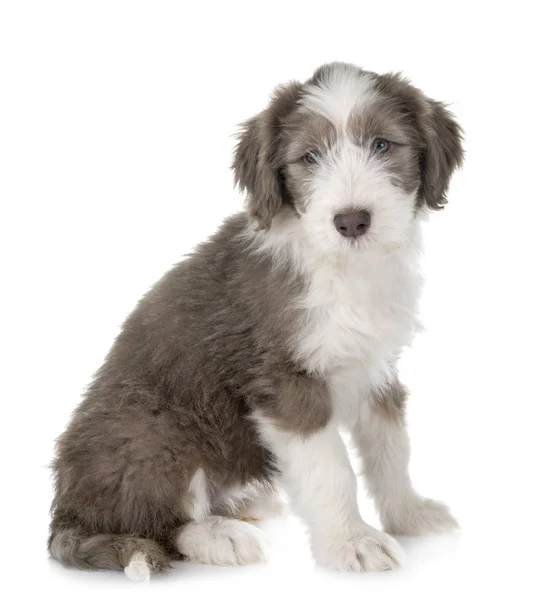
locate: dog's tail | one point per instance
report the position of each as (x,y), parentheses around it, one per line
(137,556)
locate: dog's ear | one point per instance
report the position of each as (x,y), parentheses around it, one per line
(441,152)
(258,160)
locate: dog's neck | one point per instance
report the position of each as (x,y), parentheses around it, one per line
(359,307)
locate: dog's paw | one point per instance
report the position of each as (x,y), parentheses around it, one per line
(368,550)
(221,541)
(420,517)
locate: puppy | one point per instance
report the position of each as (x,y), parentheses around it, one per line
(232,376)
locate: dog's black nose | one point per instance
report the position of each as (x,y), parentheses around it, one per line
(353,224)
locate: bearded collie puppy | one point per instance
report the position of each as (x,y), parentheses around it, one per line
(232,377)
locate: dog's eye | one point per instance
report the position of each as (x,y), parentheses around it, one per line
(311,158)
(381,146)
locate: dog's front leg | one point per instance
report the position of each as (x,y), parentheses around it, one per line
(381,438)
(317,475)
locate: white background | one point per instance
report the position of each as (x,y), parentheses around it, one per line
(115,142)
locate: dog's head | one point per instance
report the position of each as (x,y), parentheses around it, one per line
(353,155)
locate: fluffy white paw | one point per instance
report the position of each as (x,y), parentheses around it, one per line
(221,541)
(138,569)
(366,550)
(420,517)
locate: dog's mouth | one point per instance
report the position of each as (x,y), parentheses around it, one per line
(356,244)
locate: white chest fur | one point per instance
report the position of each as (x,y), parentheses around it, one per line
(358,313)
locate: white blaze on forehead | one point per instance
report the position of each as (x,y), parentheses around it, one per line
(340,91)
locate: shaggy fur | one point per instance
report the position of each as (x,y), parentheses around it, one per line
(232,374)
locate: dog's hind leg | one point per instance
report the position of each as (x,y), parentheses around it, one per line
(264,506)
(217,540)
(214,533)
(253,502)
